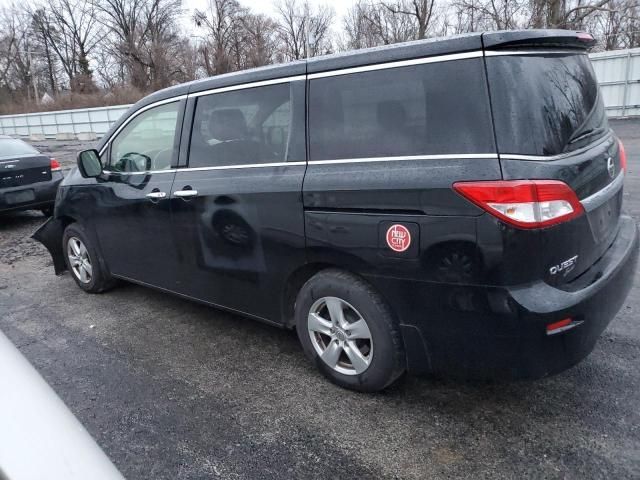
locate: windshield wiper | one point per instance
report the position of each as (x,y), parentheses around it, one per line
(587,134)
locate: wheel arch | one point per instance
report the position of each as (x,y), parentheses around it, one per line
(70,219)
(294,283)
(301,275)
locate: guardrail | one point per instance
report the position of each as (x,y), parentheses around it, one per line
(618,74)
(86,123)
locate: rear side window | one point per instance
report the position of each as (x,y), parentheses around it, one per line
(12,146)
(545,104)
(439,108)
(242,127)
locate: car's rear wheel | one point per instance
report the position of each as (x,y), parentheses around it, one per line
(83,261)
(348,331)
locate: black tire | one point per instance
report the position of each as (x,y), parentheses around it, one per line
(100,280)
(388,360)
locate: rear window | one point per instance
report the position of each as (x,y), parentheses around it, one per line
(545,105)
(12,146)
(439,108)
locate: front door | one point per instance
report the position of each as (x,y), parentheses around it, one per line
(133,218)
(237,207)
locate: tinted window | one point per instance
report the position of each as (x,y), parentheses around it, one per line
(545,105)
(241,127)
(439,108)
(147,142)
(12,146)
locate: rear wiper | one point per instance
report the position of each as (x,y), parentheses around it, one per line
(587,134)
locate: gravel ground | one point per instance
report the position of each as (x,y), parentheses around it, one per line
(64,151)
(175,390)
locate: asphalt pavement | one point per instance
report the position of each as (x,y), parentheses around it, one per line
(175,390)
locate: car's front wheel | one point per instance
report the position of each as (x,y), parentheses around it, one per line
(348,331)
(82,261)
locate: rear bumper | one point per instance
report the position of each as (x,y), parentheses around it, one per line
(500,333)
(44,194)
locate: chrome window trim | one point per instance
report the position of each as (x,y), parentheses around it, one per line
(560,156)
(400,63)
(461,156)
(244,86)
(146,172)
(203,169)
(500,53)
(236,167)
(535,158)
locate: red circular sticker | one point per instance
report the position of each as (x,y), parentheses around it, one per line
(398,238)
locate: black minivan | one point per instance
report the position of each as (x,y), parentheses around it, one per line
(448,206)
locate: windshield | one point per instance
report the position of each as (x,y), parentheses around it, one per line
(545,104)
(12,146)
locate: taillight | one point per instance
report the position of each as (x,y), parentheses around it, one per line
(623,156)
(55,165)
(524,203)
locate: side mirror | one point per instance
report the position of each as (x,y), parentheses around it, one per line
(89,163)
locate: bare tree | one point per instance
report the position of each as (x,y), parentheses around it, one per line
(387,22)
(18,72)
(9,45)
(221,22)
(493,14)
(303,30)
(125,48)
(260,40)
(617,26)
(564,13)
(69,29)
(358,29)
(41,26)
(143,34)
(421,12)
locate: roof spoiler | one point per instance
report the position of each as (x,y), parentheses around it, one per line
(538,39)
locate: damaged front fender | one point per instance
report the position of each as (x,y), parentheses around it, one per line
(50,235)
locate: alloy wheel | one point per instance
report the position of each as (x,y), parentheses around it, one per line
(340,335)
(79,260)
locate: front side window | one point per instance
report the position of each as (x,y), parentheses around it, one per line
(439,108)
(247,126)
(147,142)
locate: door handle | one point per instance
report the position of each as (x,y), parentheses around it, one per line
(156,195)
(185,193)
